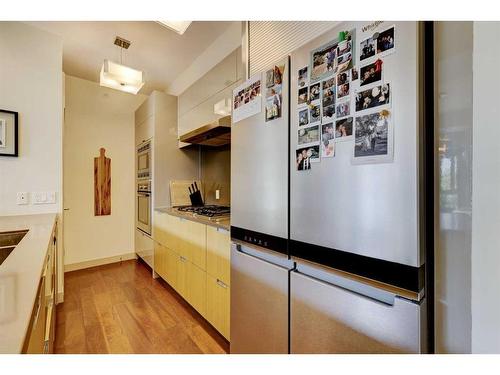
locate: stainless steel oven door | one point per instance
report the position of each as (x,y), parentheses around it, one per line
(144,161)
(144,212)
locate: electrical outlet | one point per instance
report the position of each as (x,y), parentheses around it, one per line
(22,198)
(217,194)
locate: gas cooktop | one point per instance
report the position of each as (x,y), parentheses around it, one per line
(208,210)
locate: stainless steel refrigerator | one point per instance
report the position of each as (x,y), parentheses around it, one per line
(344,268)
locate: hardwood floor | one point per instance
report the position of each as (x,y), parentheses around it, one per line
(120,308)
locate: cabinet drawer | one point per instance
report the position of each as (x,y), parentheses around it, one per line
(182,276)
(218,302)
(170,262)
(160,227)
(159,259)
(197,288)
(218,253)
(194,243)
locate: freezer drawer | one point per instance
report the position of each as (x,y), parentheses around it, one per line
(259,304)
(329,319)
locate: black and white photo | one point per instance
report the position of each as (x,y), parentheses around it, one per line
(308,135)
(303,78)
(327,140)
(385,41)
(304,117)
(323,61)
(372,135)
(367,48)
(343,109)
(343,129)
(305,156)
(314,91)
(371,73)
(376,96)
(303,96)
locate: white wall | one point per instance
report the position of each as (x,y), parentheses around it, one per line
(486,191)
(98,117)
(226,43)
(31,84)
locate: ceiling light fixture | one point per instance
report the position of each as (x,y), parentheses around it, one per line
(120,77)
(178,26)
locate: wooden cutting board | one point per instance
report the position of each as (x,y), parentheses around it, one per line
(102,184)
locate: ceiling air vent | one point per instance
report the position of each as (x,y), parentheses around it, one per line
(121,42)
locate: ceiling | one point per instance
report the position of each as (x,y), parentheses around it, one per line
(161,53)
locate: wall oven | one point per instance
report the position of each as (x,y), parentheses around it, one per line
(144,160)
(144,206)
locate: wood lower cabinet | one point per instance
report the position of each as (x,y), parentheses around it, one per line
(193,258)
(218,302)
(197,288)
(171,267)
(218,253)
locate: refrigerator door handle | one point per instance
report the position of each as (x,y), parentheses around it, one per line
(285,264)
(371,293)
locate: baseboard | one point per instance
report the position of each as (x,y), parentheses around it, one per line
(98,262)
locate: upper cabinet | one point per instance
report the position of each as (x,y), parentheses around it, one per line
(196,104)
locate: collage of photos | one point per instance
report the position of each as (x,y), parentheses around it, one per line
(324,96)
(247,99)
(274,80)
(373,126)
(339,100)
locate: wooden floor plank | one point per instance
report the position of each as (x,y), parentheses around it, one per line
(119,308)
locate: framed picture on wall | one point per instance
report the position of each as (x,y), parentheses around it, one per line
(8,133)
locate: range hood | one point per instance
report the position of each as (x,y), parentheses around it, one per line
(217,133)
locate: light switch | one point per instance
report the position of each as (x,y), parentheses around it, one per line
(43,197)
(22,198)
(217,194)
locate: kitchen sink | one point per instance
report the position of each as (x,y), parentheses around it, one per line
(8,242)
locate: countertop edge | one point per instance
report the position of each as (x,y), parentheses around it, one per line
(226,224)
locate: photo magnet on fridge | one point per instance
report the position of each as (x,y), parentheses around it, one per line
(327,140)
(374,137)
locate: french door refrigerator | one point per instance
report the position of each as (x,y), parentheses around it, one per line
(329,254)
(260,264)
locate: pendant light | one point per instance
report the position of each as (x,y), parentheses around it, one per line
(120,77)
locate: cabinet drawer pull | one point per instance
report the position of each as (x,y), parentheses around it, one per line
(221,283)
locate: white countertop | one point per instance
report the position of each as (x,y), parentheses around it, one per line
(20,275)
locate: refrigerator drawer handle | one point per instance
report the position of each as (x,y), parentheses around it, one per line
(240,250)
(387,302)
